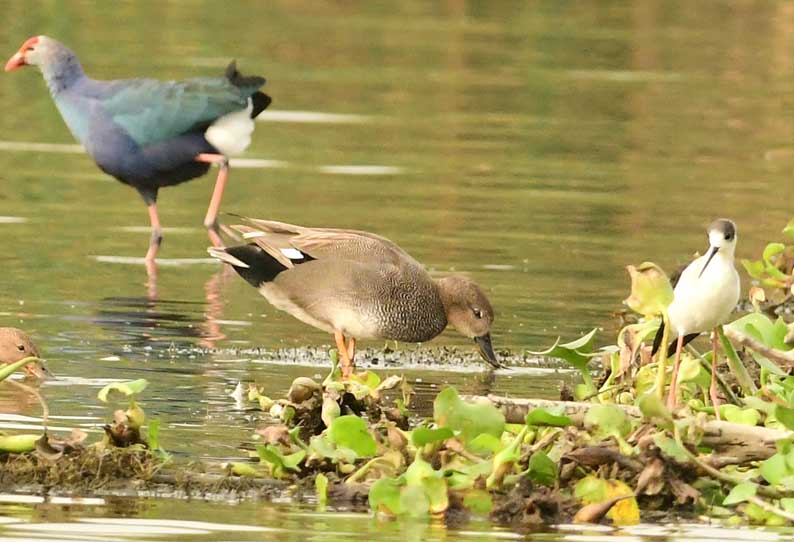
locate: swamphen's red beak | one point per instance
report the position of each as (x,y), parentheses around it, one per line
(18,60)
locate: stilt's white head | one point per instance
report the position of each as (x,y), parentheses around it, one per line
(722,239)
(722,236)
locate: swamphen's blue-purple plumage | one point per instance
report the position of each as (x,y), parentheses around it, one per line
(147,133)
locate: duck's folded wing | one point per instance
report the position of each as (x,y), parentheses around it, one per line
(288,243)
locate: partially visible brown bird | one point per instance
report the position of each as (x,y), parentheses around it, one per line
(15,345)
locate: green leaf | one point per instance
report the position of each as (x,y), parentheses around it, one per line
(245,469)
(18,444)
(652,406)
(670,448)
(577,352)
(607,420)
(740,493)
(505,460)
(484,443)
(320,446)
(414,501)
(542,469)
(690,370)
(280,463)
(789,229)
(421,474)
(384,496)
(544,416)
(771,250)
(775,469)
(651,291)
(759,404)
(470,420)
(645,379)
(321,488)
(153,434)
(351,432)
(367,378)
(754,268)
(129,388)
(478,501)
(785,416)
(424,435)
(759,326)
(437,495)
(744,416)
(590,489)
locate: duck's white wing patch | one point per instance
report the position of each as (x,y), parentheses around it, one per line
(293,253)
(231,134)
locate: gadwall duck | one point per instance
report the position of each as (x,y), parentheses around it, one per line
(15,345)
(358,284)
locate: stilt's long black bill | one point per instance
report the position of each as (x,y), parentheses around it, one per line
(486,350)
(711,255)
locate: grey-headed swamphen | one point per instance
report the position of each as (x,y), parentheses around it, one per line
(149,133)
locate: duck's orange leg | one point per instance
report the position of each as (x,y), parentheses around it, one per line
(345,362)
(351,350)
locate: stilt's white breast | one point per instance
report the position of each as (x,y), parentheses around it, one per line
(231,134)
(705,301)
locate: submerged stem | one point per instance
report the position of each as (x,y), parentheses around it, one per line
(45,411)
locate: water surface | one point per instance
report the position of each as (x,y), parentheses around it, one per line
(537,146)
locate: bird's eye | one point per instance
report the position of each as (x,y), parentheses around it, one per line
(728,236)
(21,347)
(477,313)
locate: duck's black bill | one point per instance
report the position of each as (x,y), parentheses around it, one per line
(486,350)
(712,252)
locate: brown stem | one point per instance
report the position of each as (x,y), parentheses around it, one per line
(45,411)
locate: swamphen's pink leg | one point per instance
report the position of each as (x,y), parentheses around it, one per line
(157,234)
(672,397)
(154,245)
(715,401)
(211,218)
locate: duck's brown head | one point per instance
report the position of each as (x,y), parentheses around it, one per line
(469,312)
(15,345)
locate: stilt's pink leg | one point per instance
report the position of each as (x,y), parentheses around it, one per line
(715,401)
(211,218)
(672,397)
